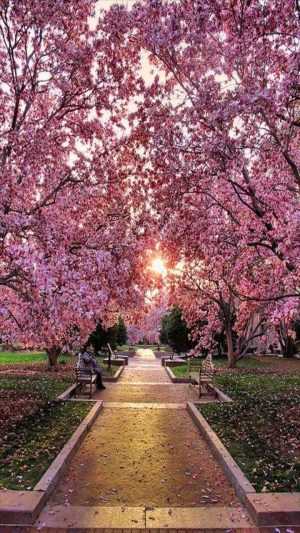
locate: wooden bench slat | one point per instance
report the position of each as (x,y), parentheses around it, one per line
(205,374)
(85,377)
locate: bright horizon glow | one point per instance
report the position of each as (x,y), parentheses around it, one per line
(158,266)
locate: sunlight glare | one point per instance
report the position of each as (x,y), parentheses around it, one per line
(158,266)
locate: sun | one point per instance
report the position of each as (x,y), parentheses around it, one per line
(158,266)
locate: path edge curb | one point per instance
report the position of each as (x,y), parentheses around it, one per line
(16,514)
(265,508)
(52,475)
(67,393)
(231,469)
(173,378)
(115,377)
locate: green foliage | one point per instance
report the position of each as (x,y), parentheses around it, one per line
(163,335)
(174,331)
(121,332)
(115,336)
(101,336)
(261,428)
(112,337)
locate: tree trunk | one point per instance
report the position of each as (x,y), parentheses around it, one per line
(53,354)
(231,354)
(286,342)
(290,348)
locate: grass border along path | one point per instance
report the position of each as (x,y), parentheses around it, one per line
(31,442)
(261,428)
(181,371)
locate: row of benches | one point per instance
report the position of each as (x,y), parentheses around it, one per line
(85,377)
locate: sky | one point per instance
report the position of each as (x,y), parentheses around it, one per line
(105,4)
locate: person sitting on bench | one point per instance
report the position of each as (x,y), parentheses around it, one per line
(87,361)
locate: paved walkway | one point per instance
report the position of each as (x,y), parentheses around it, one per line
(144,455)
(145,353)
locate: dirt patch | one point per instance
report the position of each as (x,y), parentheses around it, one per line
(37,369)
(144,458)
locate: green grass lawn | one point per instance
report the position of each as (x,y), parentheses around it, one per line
(40,358)
(125,348)
(34,427)
(11,358)
(247,362)
(37,357)
(17,358)
(261,428)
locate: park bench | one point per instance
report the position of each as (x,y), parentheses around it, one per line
(85,377)
(171,357)
(205,376)
(180,356)
(114,355)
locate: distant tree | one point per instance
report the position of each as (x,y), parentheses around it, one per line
(175,331)
(98,337)
(112,336)
(163,334)
(121,332)
(101,336)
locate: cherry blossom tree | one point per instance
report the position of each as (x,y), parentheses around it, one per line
(69,241)
(211,310)
(135,334)
(216,129)
(166,122)
(72,293)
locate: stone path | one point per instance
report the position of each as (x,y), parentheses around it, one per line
(145,353)
(140,457)
(147,393)
(144,455)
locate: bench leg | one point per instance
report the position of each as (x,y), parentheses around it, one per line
(78,388)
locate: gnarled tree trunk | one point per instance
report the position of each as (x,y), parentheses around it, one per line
(287,343)
(53,354)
